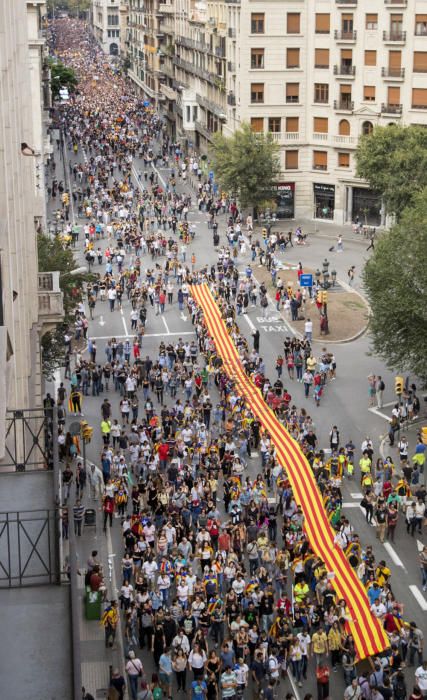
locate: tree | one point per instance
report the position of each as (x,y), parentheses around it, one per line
(247,165)
(393,159)
(60,77)
(395,281)
(53,256)
(73,7)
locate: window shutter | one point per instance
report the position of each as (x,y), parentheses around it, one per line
(344,160)
(420,18)
(292,58)
(345,89)
(292,125)
(320,125)
(292,89)
(344,128)
(347,17)
(257,124)
(371,19)
(291,160)
(346,55)
(320,159)
(321,58)
(420,61)
(369,92)
(293,23)
(393,95)
(395,60)
(323,23)
(396,19)
(370,58)
(419,97)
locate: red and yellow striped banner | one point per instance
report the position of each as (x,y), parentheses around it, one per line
(369,636)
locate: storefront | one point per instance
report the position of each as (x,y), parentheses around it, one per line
(324,201)
(285,200)
(366,206)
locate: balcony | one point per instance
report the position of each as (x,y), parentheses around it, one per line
(345,71)
(165,9)
(396,3)
(342,105)
(346,2)
(393,73)
(168,92)
(51,308)
(231,67)
(320,136)
(220,52)
(346,141)
(231,33)
(284,136)
(213,107)
(203,130)
(345,36)
(391,109)
(231,100)
(394,37)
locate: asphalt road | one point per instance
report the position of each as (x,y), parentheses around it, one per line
(345,401)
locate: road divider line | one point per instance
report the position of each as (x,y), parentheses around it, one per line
(166,325)
(250,323)
(422,602)
(147,335)
(393,555)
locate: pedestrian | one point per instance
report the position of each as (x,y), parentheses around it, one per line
(134,670)
(379,390)
(109,621)
(78,515)
(256,337)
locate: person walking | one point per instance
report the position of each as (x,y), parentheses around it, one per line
(78,515)
(134,670)
(379,390)
(109,621)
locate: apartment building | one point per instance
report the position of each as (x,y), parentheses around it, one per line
(105,23)
(24,146)
(315,73)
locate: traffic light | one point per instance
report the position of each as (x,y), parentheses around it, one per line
(398,385)
(424,434)
(324,297)
(86,430)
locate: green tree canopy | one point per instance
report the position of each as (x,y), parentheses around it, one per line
(73,7)
(396,284)
(52,256)
(393,159)
(247,165)
(61,76)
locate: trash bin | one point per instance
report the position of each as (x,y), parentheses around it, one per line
(90,516)
(93,604)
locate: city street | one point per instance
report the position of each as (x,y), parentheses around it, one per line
(345,402)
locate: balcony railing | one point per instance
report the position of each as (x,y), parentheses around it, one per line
(340,140)
(401,3)
(165,8)
(391,109)
(50,297)
(344,105)
(343,69)
(231,67)
(346,2)
(231,100)
(283,136)
(320,136)
(393,73)
(396,35)
(203,130)
(213,107)
(340,35)
(231,32)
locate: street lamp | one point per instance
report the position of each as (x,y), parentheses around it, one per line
(324,283)
(73,273)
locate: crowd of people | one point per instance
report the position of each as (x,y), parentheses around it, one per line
(219,582)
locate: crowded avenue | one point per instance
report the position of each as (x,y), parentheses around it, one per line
(189,527)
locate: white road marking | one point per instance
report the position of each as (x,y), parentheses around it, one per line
(147,335)
(356,495)
(165,325)
(183,317)
(158,175)
(101,321)
(350,504)
(125,326)
(249,322)
(422,602)
(393,555)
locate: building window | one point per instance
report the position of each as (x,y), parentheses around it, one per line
(371,21)
(344,127)
(292,58)
(321,93)
(257,92)
(421,25)
(393,96)
(369,93)
(195,111)
(367,128)
(323,23)
(293,23)
(420,61)
(347,24)
(188,111)
(257,124)
(291,160)
(321,58)
(292,93)
(419,98)
(320,160)
(320,125)
(257,23)
(257,58)
(370,58)
(395,63)
(275,125)
(113,20)
(343,160)
(292,125)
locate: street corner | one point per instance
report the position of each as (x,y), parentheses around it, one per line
(348,312)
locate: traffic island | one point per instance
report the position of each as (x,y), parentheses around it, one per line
(347,311)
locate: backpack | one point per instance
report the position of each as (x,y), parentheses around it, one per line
(157,693)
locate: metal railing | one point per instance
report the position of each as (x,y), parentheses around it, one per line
(396,35)
(340,35)
(343,69)
(393,72)
(391,109)
(346,105)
